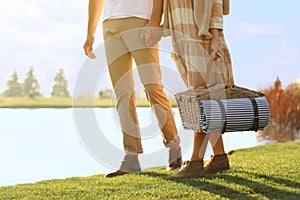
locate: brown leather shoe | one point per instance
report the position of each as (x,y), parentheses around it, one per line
(116,173)
(175,160)
(190,169)
(174,165)
(130,164)
(217,163)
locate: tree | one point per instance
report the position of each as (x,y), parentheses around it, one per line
(293,99)
(13,87)
(284,112)
(60,87)
(31,87)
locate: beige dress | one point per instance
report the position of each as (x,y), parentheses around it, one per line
(191,49)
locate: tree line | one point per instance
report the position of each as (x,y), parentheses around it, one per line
(31,88)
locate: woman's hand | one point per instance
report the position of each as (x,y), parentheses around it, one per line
(214,44)
(215,49)
(152,34)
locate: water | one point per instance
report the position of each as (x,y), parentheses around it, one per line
(43,144)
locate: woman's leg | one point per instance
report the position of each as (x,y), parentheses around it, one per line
(219,160)
(217,144)
(200,144)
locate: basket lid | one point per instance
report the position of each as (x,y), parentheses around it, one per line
(218,91)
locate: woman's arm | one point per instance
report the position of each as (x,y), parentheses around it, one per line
(153,30)
(216,25)
(156,14)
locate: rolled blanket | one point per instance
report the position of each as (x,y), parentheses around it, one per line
(229,115)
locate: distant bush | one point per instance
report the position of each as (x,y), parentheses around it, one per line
(60,87)
(13,86)
(31,87)
(284,112)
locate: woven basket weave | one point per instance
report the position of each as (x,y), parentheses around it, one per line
(189,101)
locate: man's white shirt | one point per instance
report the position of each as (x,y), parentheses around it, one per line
(115,9)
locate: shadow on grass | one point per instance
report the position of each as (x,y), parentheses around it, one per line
(203,184)
(267,189)
(214,188)
(287,183)
(154,174)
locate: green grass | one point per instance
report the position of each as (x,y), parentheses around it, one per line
(41,102)
(263,172)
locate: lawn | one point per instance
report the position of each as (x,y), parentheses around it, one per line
(56,102)
(263,172)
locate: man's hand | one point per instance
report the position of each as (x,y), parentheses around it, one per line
(88,47)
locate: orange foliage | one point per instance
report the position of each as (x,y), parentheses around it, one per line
(284,112)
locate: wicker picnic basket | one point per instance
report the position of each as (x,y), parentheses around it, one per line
(189,101)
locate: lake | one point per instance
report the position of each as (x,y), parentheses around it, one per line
(43,144)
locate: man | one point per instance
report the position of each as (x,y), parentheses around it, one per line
(122,24)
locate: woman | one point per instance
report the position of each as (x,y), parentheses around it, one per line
(202,57)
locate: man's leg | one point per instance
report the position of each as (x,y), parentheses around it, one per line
(147,61)
(120,70)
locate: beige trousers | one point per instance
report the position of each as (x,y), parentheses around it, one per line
(123,44)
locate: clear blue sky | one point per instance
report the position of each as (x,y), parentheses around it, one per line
(263,37)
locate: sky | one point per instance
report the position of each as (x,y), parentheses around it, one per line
(263,38)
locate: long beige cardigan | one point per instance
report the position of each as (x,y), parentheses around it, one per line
(202,14)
